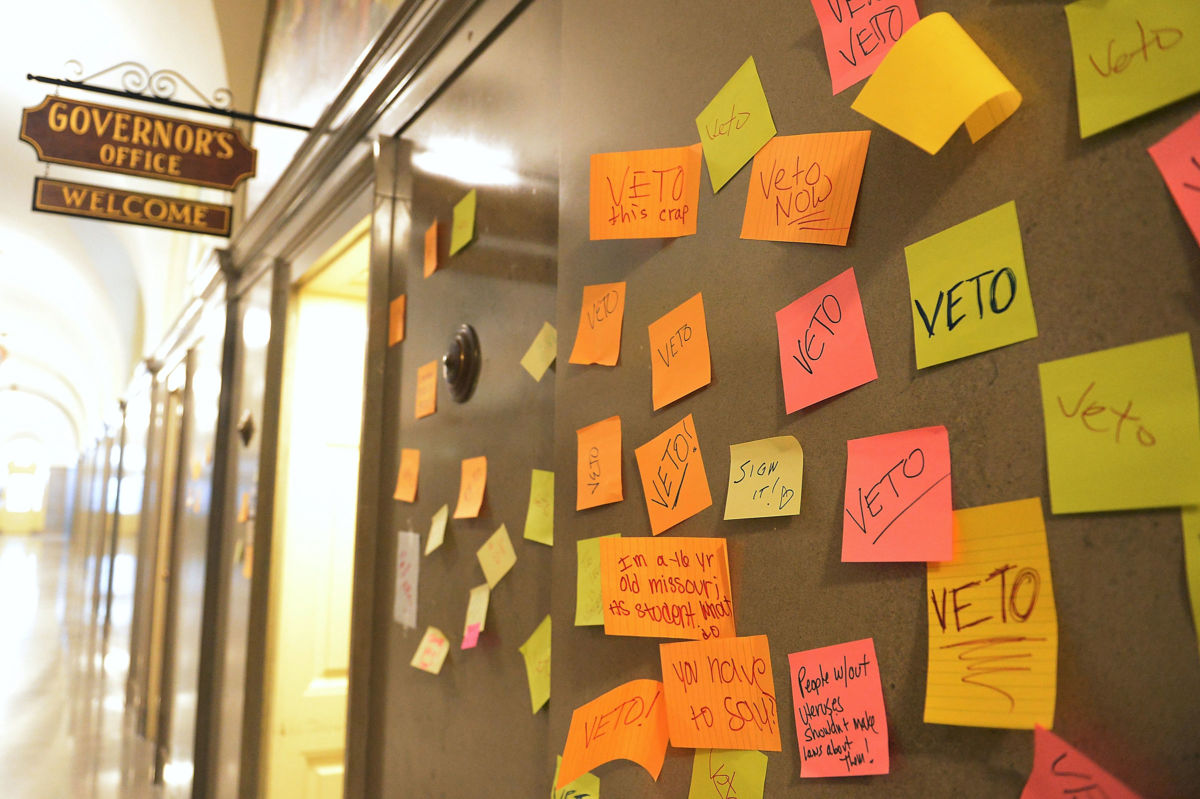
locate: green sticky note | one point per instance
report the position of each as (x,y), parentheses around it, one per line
(1191,559)
(764,478)
(720,773)
(1131,57)
(735,125)
(589,606)
(539,519)
(969,289)
(463,228)
(536,651)
(586,786)
(541,352)
(1123,427)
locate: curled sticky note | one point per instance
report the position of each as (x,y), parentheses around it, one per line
(629,722)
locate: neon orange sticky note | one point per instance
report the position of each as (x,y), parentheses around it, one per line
(396,319)
(841,726)
(431,249)
(898,497)
(599,337)
(427,381)
(720,694)
(673,477)
(666,587)
(406,478)
(824,348)
(1178,159)
(645,194)
(1060,769)
(628,722)
(598,470)
(858,35)
(679,356)
(471,487)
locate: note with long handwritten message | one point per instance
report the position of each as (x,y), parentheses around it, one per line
(427,383)
(601,314)
(536,652)
(496,556)
(1123,427)
(1190,517)
(1060,770)
(585,786)
(764,478)
(471,487)
(933,80)
(644,194)
(824,348)
(628,722)
(539,518)
(408,566)
(673,477)
(720,694)
(462,228)
(897,505)
(396,310)
(598,464)
(735,125)
(841,726)
(406,477)
(666,588)
(1131,57)
(476,620)
(969,289)
(993,628)
(589,594)
(679,356)
(1177,156)
(431,249)
(728,774)
(437,529)
(431,652)
(804,188)
(859,34)
(541,352)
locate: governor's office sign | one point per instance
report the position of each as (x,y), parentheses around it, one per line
(133,207)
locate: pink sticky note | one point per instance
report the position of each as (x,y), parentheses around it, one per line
(858,35)
(471,636)
(1060,769)
(898,497)
(841,725)
(1178,159)
(824,348)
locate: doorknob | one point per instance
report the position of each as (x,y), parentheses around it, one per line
(460,364)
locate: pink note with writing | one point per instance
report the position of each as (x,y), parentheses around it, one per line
(859,33)
(471,637)
(1060,769)
(1178,158)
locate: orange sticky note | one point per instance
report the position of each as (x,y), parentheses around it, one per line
(1177,156)
(396,319)
(720,694)
(471,487)
(628,722)
(666,587)
(1060,769)
(898,497)
(599,337)
(645,194)
(427,381)
(843,677)
(431,249)
(406,479)
(824,348)
(673,477)
(243,514)
(858,35)
(679,357)
(804,188)
(598,470)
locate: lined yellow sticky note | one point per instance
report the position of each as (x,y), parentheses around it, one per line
(724,773)
(539,519)
(735,125)
(431,652)
(462,229)
(496,556)
(536,651)
(589,598)
(541,352)
(585,786)
(764,478)
(934,79)
(437,529)
(1191,558)
(993,628)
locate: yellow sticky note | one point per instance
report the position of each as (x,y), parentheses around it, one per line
(462,229)
(437,529)
(477,607)
(735,125)
(723,773)
(1191,557)
(536,651)
(539,519)
(993,629)
(541,352)
(585,786)
(496,556)
(589,598)
(431,652)
(1123,427)
(1131,57)
(934,79)
(969,289)
(764,478)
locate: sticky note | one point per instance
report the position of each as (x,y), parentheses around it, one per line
(539,518)
(541,352)
(735,125)
(406,477)
(933,80)
(841,726)
(471,637)
(673,478)
(585,786)
(601,315)
(427,382)
(431,652)
(496,556)
(1131,57)
(1060,769)
(897,505)
(471,487)
(437,529)
(589,596)
(666,588)
(644,194)
(969,289)
(858,35)
(476,620)
(679,357)
(431,249)
(764,478)
(1123,427)
(1177,156)
(804,188)
(396,319)
(536,651)
(598,464)
(628,722)
(1191,558)
(728,773)
(993,629)
(462,228)
(824,348)
(408,566)
(720,694)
